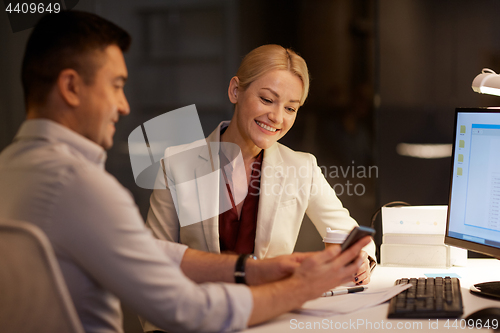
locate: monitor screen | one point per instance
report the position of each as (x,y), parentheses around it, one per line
(474,205)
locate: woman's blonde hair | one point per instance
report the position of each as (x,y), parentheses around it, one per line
(271,57)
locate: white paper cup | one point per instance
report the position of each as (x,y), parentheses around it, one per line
(334,236)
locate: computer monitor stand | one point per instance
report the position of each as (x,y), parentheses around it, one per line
(487,289)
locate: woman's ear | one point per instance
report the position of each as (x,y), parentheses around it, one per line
(69,87)
(232,91)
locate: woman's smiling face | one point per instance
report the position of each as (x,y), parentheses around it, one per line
(266,110)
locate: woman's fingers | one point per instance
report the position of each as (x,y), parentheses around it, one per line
(363,274)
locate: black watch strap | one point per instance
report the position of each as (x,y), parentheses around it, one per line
(239,269)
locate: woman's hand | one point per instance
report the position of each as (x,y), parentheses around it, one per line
(362,276)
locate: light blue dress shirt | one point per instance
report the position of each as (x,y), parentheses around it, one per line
(55,178)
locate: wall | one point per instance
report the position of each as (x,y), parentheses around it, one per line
(430,51)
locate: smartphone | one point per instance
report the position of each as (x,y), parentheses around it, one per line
(355,235)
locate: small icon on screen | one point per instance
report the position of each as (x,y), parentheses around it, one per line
(461,144)
(459,171)
(462,129)
(460,157)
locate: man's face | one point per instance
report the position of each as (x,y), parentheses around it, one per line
(104,101)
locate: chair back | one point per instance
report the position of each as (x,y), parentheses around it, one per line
(33,294)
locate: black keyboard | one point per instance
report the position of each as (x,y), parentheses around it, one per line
(428,298)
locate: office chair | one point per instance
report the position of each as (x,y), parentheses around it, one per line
(33,294)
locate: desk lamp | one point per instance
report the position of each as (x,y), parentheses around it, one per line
(488,82)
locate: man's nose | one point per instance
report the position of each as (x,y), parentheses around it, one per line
(123,106)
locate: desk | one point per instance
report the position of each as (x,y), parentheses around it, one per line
(477,270)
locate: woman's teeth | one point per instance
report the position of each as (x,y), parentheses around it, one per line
(264,126)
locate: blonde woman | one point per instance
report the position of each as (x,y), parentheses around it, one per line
(268,90)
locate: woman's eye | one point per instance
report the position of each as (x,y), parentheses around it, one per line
(266,100)
(291,110)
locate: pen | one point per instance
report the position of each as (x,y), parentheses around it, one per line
(344,291)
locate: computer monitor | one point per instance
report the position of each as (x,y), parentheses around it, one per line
(474,205)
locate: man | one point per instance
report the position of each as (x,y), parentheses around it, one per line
(53,176)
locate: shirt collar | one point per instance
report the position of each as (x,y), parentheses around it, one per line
(51,131)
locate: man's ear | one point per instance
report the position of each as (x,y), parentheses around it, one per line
(232,91)
(69,86)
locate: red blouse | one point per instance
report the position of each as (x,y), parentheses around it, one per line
(238,235)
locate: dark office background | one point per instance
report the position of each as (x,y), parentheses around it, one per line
(383,72)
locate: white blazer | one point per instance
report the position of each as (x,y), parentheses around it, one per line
(291,185)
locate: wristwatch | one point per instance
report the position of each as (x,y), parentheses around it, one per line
(239,269)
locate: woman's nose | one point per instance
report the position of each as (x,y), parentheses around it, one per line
(276,115)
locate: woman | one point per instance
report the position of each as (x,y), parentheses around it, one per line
(267,91)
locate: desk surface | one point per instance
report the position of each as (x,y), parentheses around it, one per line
(375,318)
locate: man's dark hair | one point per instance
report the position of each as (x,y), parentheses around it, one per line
(65,40)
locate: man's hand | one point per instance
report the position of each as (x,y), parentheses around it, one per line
(317,273)
(274,269)
(199,267)
(278,268)
(330,268)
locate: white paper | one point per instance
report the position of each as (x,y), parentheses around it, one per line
(342,304)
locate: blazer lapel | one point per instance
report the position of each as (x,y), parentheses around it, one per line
(272,181)
(208,180)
